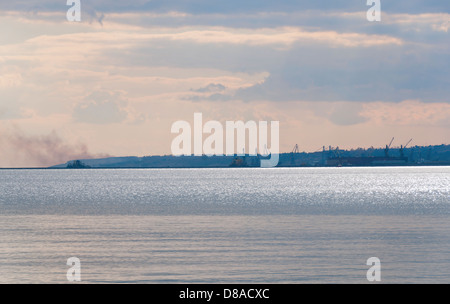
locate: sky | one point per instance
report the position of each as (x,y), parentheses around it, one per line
(115,82)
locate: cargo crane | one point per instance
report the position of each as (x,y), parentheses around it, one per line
(323,156)
(294,151)
(337,155)
(338,159)
(337,152)
(386,150)
(402,152)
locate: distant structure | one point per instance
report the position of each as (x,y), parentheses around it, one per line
(385,160)
(76,164)
(402,149)
(293,153)
(386,150)
(403,155)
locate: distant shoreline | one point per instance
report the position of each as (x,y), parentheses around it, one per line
(417,156)
(278,167)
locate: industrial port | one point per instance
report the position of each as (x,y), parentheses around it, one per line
(402,155)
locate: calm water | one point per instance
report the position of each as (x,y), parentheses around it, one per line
(290,225)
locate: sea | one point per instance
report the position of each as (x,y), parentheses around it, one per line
(226,226)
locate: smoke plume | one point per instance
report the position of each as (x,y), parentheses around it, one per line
(20,150)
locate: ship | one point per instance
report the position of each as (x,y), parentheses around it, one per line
(386,160)
(367,161)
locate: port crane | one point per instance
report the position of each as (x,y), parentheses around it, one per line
(386,150)
(294,151)
(404,147)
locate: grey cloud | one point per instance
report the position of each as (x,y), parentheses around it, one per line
(347,115)
(393,73)
(340,113)
(212,87)
(212,92)
(188,54)
(9,113)
(101,108)
(309,70)
(313,15)
(216,97)
(219,97)
(232,6)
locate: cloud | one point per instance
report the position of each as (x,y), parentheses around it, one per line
(10,80)
(214,92)
(347,117)
(229,7)
(392,74)
(212,87)
(215,97)
(356,61)
(101,108)
(9,113)
(407,113)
